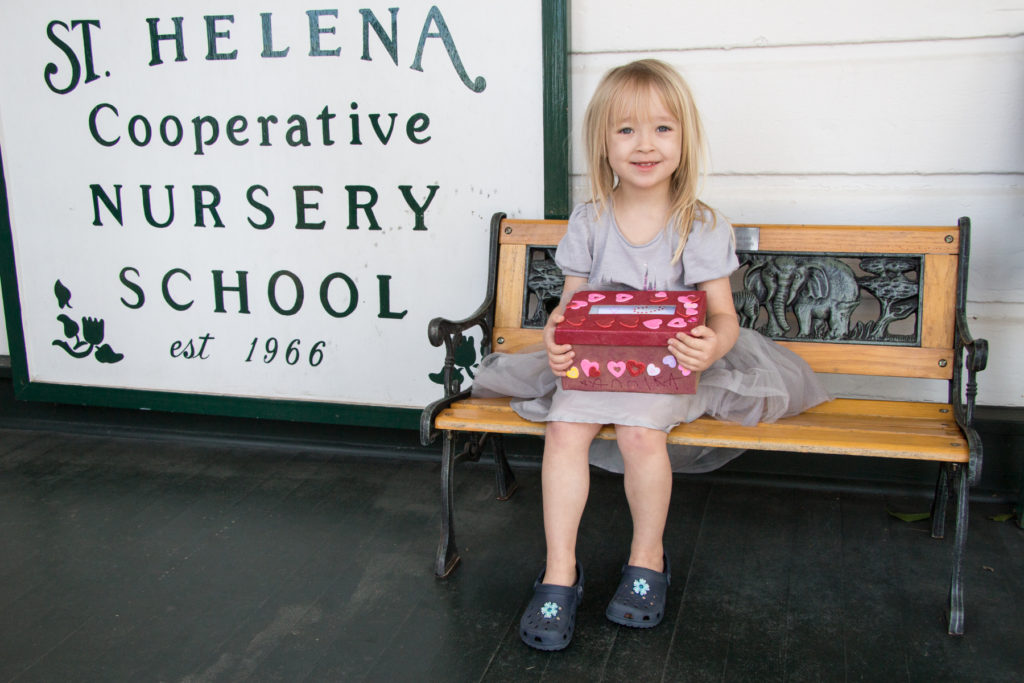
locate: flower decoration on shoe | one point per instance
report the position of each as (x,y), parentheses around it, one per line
(550,610)
(640,599)
(550,617)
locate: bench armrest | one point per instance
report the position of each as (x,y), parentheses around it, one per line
(441,331)
(972,356)
(444,331)
(450,334)
(430,413)
(976,349)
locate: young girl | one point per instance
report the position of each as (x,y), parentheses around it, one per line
(644,228)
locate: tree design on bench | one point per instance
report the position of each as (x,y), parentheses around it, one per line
(543,286)
(889,284)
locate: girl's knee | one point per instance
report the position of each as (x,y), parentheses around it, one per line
(571,432)
(641,442)
(568,437)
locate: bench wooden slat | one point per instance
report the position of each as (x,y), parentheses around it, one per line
(876,361)
(851,407)
(508,311)
(881,408)
(867,239)
(937,315)
(912,430)
(544,232)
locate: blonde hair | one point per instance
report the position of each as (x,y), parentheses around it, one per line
(625,90)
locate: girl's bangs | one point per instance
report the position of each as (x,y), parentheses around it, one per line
(634,100)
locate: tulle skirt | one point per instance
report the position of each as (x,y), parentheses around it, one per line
(757,381)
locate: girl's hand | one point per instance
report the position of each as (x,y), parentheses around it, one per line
(695,351)
(560,356)
(707,343)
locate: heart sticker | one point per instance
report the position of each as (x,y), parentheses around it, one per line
(652,324)
(617,367)
(603,321)
(622,297)
(669,360)
(594,297)
(577,322)
(575,317)
(686,299)
(677,322)
(634,367)
(590,368)
(686,373)
(629,320)
(653,370)
(659,296)
(573,372)
(576,304)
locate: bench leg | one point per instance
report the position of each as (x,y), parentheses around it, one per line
(956,585)
(504,478)
(447,553)
(939,502)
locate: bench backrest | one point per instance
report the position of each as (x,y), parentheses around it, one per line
(860,300)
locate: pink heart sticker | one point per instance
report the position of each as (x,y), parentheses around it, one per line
(669,360)
(622,296)
(590,368)
(576,304)
(686,373)
(686,298)
(652,324)
(594,297)
(617,367)
(677,322)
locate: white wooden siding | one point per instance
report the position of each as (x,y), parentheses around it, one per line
(851,112)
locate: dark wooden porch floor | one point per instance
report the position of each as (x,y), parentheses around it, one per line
(156,560)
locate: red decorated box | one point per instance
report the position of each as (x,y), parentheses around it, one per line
(621,340)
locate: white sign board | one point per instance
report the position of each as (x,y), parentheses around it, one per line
(265,201)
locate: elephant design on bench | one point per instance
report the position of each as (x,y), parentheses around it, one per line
(822,292)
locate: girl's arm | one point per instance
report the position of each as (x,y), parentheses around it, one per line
(707,343)
(560,355)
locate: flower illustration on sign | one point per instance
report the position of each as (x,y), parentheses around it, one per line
(81,340)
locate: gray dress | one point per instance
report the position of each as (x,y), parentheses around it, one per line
(757,380)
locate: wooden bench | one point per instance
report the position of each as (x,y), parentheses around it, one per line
(866,300)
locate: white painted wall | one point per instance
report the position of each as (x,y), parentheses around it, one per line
(884,112)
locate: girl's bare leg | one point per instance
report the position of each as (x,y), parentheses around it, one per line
(565,482)
(648,484)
